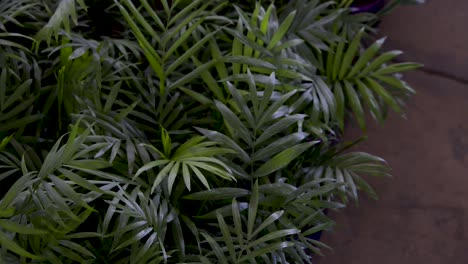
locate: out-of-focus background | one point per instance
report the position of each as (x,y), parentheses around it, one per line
(422,213)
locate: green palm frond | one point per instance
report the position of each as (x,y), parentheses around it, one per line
(139,218)
(189,159)
(65,11)
(314,22)
(47,232)
(348,169)
(16,103)
(265,48)
(359,80)
(248,240)
(12,11)
(171,52)
(280,139)
(303,208)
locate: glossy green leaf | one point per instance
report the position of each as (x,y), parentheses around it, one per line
(379,61)
(197,96)
(242,104)
(266,18)
(283,28)
(317,228)
(162,175)
(8,244)
(241,38)
(398,67)
(21,184)
(192,75)
(76,247)
(19,91)
(186,10)
(369,99)
(227,236)
(279,126)
(265,250)
(66,190)
(272,218)
(237,128)
(386,96)
(350,54)
(279,145)
(270,111)
(253,207)
(340,104)
(180,40)
(223,139)
(218,194)
(149,166)
(282,159)
(136,238)
(210,81)
(395,82)
(216,248)
(355,104)
(274,235)
(338,59)
(200,176)
(20,229)
(236,215)
(365,58)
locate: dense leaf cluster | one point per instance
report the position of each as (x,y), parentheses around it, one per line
(183,131)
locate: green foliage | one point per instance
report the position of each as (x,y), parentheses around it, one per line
(187,131)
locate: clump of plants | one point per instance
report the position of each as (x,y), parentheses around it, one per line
(183,131)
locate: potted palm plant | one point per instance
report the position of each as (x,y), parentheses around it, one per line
(197,132)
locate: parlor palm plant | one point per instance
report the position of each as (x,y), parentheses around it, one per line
(183,131)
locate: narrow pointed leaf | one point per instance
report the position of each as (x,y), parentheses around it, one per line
(265,250)
(355,104)
(253,207)
(15,248)
(236,126)
(226,236)
(365,58)
(282,159)
(282,30)
(274,235)
(350,54)
(218,194)
(272,218)
(386,96)
(379,61)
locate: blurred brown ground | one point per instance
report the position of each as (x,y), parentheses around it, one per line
(422,213)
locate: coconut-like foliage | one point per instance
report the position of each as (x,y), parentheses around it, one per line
(137,131)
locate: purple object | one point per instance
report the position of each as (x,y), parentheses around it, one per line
(367,6)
